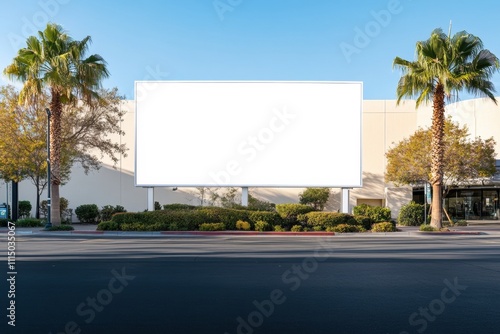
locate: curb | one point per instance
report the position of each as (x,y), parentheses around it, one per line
(87,232)
(450,233)
(245,233)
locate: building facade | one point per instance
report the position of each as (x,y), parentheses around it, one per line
(384,124)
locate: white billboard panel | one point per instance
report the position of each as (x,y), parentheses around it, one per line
(248,134)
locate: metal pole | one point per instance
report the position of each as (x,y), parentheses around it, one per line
(49,207)
(244,196)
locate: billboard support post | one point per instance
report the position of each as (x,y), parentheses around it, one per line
(345,200)
(244,196)
(151,199)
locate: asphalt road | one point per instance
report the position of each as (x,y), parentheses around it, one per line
(359,284)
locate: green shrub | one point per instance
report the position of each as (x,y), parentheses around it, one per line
(296,228)
(427,228)
(290,211)
(108,226)
(262,226)
(212,227)
(108,211)
(29,222)
(327,219)
(225,215)
(87,213)
(179,206)
(364,221)
(315,197)
(243,225)
(273,218)
(383,227)
(412,214)
(318,228)
(184,220)
(346,228)
(377,213)
(24,209)
(278,228)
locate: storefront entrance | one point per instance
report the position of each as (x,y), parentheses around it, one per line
(468,204)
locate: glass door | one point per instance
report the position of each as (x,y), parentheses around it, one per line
(490,208)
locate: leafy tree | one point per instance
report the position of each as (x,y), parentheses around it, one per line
(444,66)
(316,197)
(465,160)
(54,61)
(85,132)
(23,145)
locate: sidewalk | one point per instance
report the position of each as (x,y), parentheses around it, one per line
(481,228)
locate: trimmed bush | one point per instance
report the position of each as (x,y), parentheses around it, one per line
(411,214)
(24,209)
(87,213)
(296,228)
(461,223)
(179,206)
(278,228)
(227,216)
(365,221)
(325,220)
(346,228)
(212,227)
(143,227)
(108,226)
(377,213)
(290,211)
(427,228)
(29,222)
(383,227)
(262,226)
(273,218)
(108,211)
(242,225)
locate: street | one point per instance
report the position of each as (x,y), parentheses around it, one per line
(220,284)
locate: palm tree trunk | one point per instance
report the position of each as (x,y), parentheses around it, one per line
(437,154)
(55,156)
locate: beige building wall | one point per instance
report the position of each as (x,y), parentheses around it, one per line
(384,124)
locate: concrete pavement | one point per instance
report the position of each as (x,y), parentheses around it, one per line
(475,228)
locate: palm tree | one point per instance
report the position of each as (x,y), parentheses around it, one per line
(444,66)
(55,62)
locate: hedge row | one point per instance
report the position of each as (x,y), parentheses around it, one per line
(188,218)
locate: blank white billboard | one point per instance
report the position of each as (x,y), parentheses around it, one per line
(248,134)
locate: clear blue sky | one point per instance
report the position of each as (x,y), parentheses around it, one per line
(250,39)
